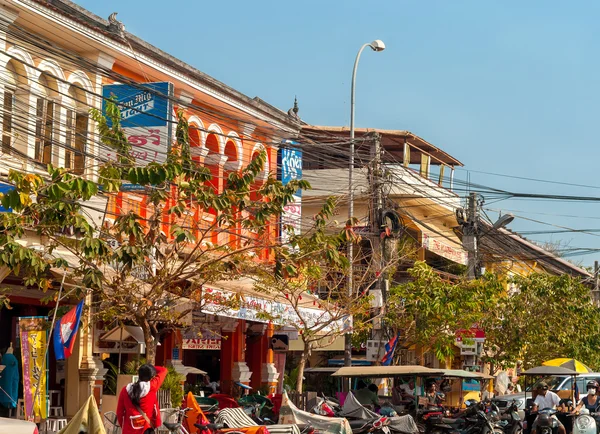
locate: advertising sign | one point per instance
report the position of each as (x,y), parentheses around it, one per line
(5,188)
(33,350)
(146,118)
(438,247)
(201,344)
(251,308)
(290,162)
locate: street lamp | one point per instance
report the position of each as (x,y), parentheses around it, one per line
(376,45)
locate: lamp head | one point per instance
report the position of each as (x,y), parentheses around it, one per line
(504,221)
(377,45)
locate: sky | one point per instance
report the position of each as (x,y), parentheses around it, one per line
(508,88)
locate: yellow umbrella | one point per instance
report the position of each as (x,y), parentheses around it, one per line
(572,364)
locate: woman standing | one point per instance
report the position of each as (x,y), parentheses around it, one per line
(137,409)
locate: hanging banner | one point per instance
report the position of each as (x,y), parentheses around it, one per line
(33,349)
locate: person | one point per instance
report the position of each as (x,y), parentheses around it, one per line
(433,398)
(9,380)
(517,386)
(137,408)
(366,396)
(590,401)
(403,392)
(546,399)
(510,389)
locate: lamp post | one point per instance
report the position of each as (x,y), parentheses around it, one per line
(376,45)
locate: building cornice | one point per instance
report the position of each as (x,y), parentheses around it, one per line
(91,26)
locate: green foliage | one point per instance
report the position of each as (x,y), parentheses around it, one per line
(137,273)
(110,379)
(173,382)
(544,318)
(133,366)
(429,310)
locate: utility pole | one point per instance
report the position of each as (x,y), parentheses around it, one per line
(470,236)
(596,297)
(376,223)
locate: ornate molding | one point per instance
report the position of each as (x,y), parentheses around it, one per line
(97,36)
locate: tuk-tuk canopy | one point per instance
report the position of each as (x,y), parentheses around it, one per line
(387,371)
(550,370)
(459,373)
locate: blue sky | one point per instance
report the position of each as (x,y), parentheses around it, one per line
(507,87)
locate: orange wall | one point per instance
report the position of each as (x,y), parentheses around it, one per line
(125,202)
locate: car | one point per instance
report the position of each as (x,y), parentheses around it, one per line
(560,384)
(17,426)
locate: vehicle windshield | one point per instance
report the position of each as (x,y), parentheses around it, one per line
(552,381)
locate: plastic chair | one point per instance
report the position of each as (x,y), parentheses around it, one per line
(225,401)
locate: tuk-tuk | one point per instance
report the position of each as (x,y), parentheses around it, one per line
(467,388)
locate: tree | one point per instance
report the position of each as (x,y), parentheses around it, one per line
(544,317)
(138,271)
(428,310)
(311,276)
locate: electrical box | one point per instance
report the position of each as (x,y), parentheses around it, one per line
(375,350)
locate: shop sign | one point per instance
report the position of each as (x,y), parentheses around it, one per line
(280,343)
(290,162)
(5,188)
(258,309)
(33,351)
(444,250)
(146,115)
(201,344)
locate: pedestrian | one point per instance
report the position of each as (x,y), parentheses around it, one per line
(137,409)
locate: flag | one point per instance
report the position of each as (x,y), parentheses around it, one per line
(390,347)
(65,332)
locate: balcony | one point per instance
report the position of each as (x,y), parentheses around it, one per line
(414,168)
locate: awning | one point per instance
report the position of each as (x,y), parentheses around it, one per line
(125,333)
(191,370)
(386,371)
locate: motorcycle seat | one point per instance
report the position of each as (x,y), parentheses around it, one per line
(451,421)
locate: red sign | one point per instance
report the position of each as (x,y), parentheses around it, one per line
(474,333)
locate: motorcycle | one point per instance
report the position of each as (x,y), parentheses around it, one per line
(586,422)
(508,420)
(326,406)
(474,420)
(545,423)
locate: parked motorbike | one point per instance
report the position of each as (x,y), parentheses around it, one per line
(326,406)
(508,420)
(473,420)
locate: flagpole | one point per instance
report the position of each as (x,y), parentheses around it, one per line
(37,387)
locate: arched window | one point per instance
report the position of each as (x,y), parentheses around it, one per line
(8,106)
(46,113)
(76,131)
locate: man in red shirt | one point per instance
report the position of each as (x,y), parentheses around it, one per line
(137,409)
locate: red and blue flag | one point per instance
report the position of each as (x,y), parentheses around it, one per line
(65,332)
(390,347)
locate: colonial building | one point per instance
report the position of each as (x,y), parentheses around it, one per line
(58,60)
